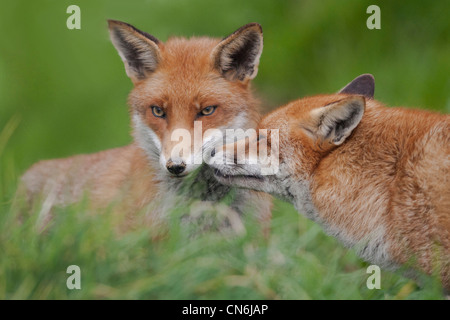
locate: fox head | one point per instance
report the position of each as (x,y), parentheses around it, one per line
(306,130)
(187,85)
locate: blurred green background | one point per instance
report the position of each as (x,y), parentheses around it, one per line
(64,92)
(69,87)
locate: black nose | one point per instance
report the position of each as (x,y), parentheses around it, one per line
(175,168)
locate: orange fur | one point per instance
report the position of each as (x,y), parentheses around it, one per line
(385,190)
(181,76)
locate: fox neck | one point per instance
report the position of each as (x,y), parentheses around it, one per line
(301,193)
(371,246)
(350,190)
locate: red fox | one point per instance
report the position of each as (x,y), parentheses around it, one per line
(376,178)
(177,83)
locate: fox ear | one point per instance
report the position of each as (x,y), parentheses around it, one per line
(336,121)
(363,85)
(237,56)
(139,50)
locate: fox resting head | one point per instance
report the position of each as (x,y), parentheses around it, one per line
(294,139)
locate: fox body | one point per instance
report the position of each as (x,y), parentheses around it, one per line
(376,178)
(175,84)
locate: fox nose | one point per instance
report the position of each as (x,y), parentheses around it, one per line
(175,168)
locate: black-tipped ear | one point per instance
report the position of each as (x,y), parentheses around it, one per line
(363,85)
(336,121)
(237,56)
(139,50)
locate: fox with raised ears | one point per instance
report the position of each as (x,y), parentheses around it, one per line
(177,83)
(377,178)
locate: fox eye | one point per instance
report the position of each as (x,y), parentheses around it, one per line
(158,112)
(208,111)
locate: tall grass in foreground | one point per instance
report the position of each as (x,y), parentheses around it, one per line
(297,261)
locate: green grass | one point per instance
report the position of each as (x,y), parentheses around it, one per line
(63,92)
(297,261)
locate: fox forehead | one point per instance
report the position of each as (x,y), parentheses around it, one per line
(165,91)
(188,57)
